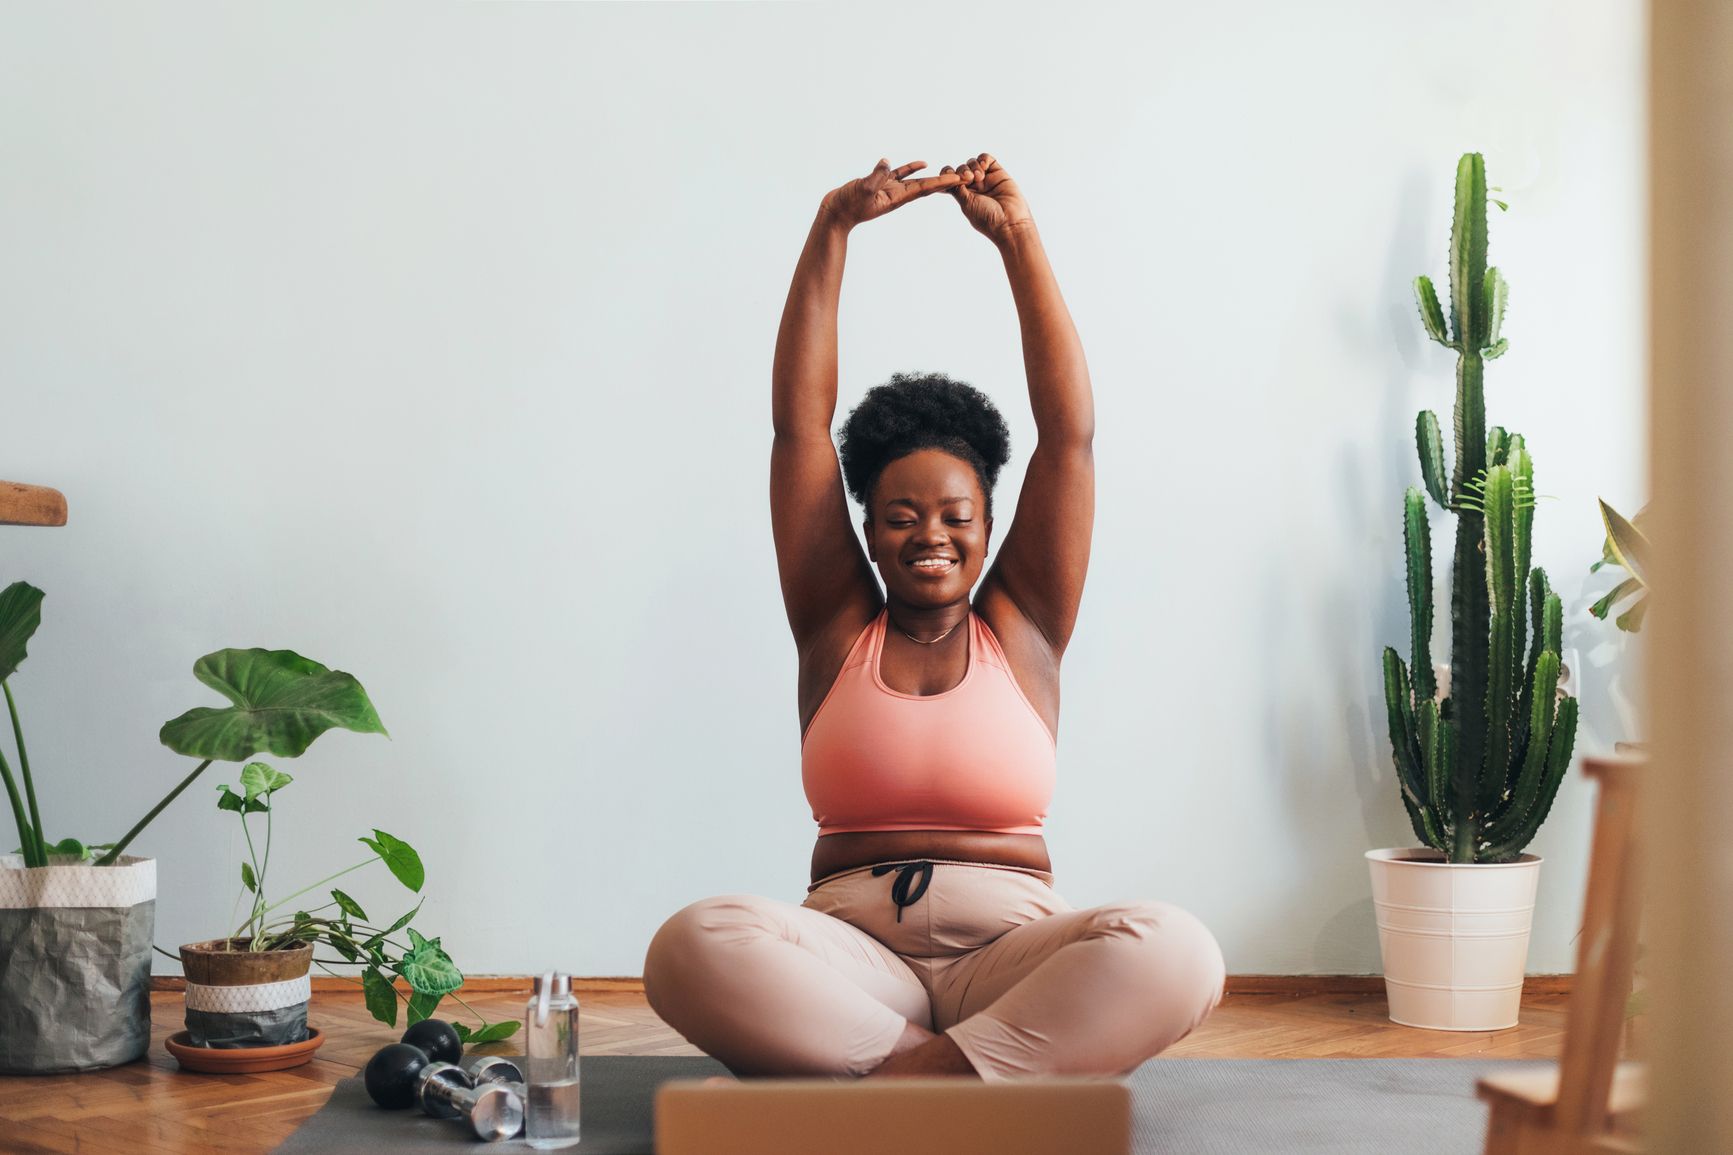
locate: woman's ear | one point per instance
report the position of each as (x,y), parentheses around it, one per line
(866,527)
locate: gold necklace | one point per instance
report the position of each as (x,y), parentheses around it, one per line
(928,641)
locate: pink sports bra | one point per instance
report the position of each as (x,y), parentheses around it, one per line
(975,757)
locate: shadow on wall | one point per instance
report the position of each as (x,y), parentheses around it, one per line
(1331,732)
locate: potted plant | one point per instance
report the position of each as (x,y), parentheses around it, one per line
(249,990)
(1626,546)
(76,922)
(1479,759)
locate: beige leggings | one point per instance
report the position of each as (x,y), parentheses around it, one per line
(990,955)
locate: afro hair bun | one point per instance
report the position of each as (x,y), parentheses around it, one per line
(921,411)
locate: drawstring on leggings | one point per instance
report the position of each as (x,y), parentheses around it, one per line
(900,887)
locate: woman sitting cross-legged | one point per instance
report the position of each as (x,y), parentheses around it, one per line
(931,939)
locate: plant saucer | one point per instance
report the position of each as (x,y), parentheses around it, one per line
(242,1060)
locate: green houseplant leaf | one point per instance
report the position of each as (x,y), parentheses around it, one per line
(428,968)
(20,615)
(491,1033)
(348,905)
(381,999)
(281,703)
(259,779)
(399,857)
(228,800)
(1629,545)
(422,1005)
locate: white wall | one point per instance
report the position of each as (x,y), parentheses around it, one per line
(434,342)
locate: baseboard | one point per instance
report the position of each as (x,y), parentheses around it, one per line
(1236,985)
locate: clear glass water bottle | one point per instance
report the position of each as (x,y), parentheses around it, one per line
(551,1063)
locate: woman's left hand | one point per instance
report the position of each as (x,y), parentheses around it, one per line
(989,198)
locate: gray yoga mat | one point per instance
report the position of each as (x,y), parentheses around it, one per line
(1183,1106)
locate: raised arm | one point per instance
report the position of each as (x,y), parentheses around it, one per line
(1045,555)
(824,572)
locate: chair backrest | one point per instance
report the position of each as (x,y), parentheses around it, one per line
(1606,953)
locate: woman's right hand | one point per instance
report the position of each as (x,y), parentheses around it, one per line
(881,190)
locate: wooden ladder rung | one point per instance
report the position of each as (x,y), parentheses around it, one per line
(31,505)
(1538,1089)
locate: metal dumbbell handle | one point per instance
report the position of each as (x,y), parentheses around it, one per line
(494,1111)
(494,1069)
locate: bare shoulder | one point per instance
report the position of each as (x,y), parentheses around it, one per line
(1033,662)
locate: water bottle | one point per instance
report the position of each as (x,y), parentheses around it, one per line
(551,1063)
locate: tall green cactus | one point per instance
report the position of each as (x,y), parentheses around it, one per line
(1479,768)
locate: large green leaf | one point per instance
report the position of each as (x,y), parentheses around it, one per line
(282,702)
(20,614)
(400,858)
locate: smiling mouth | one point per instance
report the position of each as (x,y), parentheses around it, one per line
(933,567)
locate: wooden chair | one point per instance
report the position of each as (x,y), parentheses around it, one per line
(1589,1102)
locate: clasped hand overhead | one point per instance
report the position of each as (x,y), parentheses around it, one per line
(989,198)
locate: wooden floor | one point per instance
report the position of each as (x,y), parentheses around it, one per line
(153,1108)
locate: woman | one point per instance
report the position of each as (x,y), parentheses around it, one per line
(931,940)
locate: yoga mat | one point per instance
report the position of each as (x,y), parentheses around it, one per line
(1183,1106)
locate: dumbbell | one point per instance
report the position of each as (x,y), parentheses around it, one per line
(392,1070)
(437,1038)
(446,1091)
(401,1074)
(494,1069)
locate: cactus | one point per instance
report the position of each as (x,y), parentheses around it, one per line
(1479,769)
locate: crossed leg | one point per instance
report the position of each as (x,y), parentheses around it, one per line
(771,988)
(1082,992)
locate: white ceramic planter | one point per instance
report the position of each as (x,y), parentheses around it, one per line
(1454,937)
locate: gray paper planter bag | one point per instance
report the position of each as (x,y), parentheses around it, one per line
(75,945)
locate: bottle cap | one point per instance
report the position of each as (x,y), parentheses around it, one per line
(551,985)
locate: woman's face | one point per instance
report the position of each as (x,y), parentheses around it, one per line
(928,505)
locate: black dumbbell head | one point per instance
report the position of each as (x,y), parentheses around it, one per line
(391,1074)
(437,1038)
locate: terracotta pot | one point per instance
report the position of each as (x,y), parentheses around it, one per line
(226,962)
(239,998)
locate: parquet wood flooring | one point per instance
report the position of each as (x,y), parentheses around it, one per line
(153,1108)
